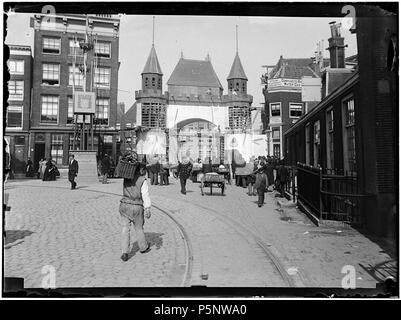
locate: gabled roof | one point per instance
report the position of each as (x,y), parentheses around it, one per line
(152,65)
(293,69)
(198,73)
(237,71)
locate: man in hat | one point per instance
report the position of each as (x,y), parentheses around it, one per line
(134,206)
(184,172)
(260,184)
(72,171)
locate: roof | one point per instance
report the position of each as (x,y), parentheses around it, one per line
(293,69)
(237,71)
(198,73)
(152,64)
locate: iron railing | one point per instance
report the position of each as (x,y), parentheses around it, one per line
(330,194)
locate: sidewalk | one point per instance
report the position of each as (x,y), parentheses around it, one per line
(318,254)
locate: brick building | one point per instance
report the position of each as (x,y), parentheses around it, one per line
(353,130)
(19,106)
(283,99)
(56,48)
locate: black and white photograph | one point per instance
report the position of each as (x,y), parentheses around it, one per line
(236,149)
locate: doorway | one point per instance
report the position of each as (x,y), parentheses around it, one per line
(39,154)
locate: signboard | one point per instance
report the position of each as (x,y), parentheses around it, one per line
(84,102)
(283,83)
(311,89)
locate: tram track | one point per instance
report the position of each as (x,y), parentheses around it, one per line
(185,282)
(245,231)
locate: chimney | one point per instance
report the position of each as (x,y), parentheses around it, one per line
(336,46)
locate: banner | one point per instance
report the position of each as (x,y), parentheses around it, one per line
(151,143)
(240,148)
(84,102)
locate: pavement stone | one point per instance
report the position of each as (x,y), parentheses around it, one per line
(78,232)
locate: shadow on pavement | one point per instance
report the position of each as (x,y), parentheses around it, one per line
(154,239)
(15,235)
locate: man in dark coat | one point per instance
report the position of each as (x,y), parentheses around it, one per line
(184,172)
(105,167)
(155,170)
(281,178)
(72,171)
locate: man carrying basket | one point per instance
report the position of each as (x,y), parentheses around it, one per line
(135,203)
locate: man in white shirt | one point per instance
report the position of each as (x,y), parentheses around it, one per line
(134,206)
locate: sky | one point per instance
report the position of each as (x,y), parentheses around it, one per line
(261,41)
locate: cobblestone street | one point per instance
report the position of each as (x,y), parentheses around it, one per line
(214,240)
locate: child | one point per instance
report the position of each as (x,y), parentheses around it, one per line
(260,185)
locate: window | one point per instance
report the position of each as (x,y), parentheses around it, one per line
(153,82)
(295,110)
(16,90)
(78,80)
(276,151)
(349,136)
(275,109)
(16,66)
(14,117)
(51,73)
(276,133)
(102,111)
(57,148)
(239,117)
(74,48)
(70,113)
(49,110)
(307,144)
(316,143)
(102,49)
(153,115)
(330,139)
(51,45)
(102,77)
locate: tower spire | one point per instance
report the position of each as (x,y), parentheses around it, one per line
(236,38)
(153,32)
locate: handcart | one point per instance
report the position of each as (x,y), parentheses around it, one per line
(213,179)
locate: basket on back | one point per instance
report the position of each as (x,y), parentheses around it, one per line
(128,166)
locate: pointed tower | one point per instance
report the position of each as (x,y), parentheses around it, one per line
(152,75)
(150,101)
(238,100)
(237,80)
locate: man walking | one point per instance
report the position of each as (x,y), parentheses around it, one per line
(105,167)
(134,206)
(184,172)
(72,171)
(260,185)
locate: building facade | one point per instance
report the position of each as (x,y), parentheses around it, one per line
(18,111)
(58,46)
(353,129)
(283,99)
(192,118)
